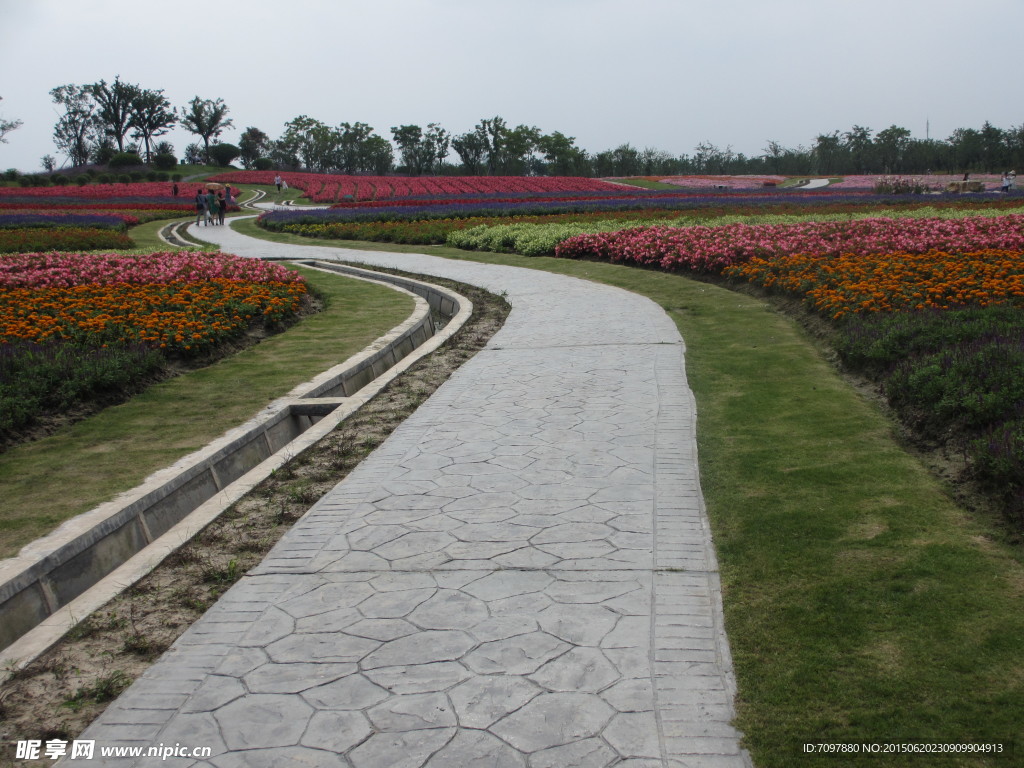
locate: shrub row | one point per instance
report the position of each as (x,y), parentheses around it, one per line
(41,379)
(953,375)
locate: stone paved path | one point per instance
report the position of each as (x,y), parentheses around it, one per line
(522,575)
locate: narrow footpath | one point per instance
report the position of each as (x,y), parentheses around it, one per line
(522,575)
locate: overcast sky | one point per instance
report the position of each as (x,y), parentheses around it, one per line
(666,74)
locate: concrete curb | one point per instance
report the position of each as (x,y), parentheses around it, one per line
(59,579)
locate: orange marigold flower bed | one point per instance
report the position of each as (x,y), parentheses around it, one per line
(178,309)
(887,282)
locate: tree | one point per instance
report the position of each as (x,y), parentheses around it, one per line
(994,154)
(152,115)
(827,153)
(411,147)
(114,107)
(353,151)
(314,143)
(77,130)
(626,160)
(471,148)
(890,147)
(857,142)
(49,163)
(205,118)
(6,126)
(517,155)
(439,140)
(377,156)
(421,151)
(253,145)
(223,154)
(563,157)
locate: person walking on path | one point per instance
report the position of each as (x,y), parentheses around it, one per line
(277,181)
(214,210)
(200,204)
(222,205)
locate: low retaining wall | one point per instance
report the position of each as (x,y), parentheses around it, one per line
(55,570)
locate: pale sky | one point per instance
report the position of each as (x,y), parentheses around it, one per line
(666,74)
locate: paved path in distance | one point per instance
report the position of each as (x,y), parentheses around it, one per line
(521,576)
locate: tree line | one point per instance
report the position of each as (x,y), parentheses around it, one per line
(100,120)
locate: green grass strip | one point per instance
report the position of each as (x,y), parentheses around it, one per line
(117,448)
(862,604)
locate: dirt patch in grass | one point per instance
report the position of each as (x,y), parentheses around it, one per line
(65,689)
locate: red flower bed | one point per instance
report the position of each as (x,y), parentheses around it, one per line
(330,188)
(100,192)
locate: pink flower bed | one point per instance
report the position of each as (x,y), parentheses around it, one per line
(50,270)
(99,192)
(712,249)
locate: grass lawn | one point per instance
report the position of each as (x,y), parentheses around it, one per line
(48,481)
(862,604)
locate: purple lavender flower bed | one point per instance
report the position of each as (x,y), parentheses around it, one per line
(662,201)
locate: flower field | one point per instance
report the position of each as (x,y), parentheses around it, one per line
(97,319)
(847,283)
(182,302)
(714,248)
(86,218)
(123,196)
(328,188)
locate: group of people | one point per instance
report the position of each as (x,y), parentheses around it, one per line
(211,206)
(1009,181)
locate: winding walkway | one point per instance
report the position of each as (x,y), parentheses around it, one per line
(522,575)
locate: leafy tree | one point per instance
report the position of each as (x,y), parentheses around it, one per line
(314,143)
(353,155)
(48,163)
(563,157)
(966,148)
(115,107)
(253,145)
(77,129)
(891,146)
(439,140)
(471,148)
(827,153)
(993,147)
(421,151)
(627,160)
(857,142)
(412,148)
(102,150)
(6,126)
(508,149)
(223,154)
(377,155)
(712,159)
(206,118)
(152,115)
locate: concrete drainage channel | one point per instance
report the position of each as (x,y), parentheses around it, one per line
(63,577)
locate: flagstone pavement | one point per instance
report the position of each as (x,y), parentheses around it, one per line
(522,575)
